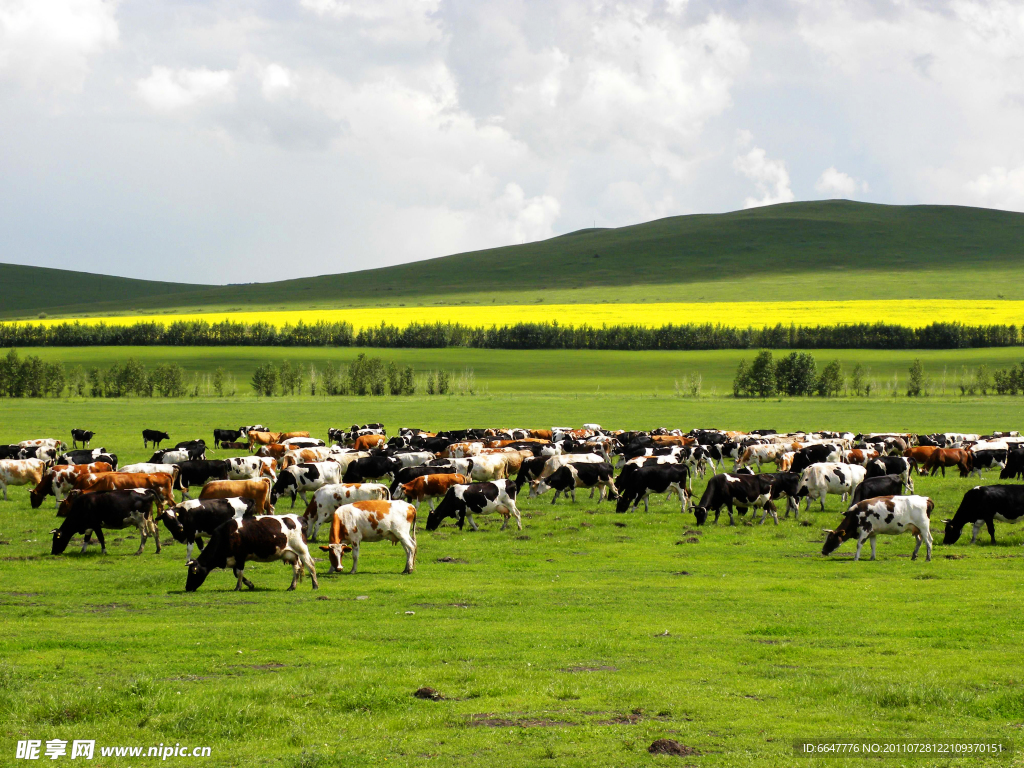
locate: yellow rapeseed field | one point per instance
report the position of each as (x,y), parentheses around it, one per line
(911,312)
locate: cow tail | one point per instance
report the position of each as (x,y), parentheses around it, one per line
(415,521)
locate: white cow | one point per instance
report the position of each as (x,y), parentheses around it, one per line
(819,480)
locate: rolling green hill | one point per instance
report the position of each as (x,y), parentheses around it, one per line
(813,250)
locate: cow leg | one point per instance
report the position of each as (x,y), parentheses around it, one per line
(355,557)
(143,535)
(85,540)
(302,495)
(874,541)
(928,545)
(472,522)
(184,493)
(507,516)
(991,529)
(821,498)
(555,497)
(296,573)
(591,493)
(917,547)
(238,579)
(646,508)
(976,529)
(430,503)
(5,489)
(573,494)
(732,520)
(860,545)
(410,552)
(519,517)
(102,541)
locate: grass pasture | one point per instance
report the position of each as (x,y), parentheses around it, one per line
(548,644)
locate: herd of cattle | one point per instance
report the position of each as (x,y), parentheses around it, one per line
(478,471)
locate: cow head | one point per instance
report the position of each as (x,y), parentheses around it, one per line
(65,505)
(196,576)
(173,524)
(61,537)
(450,506)
(335,553)
(951,535)
(41,491)
(846,530)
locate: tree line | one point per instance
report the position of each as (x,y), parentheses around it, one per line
(547,335)
(30,376)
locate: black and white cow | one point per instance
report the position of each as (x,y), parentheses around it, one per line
(299,478)
(784,485)
(815,454)
(178,455)
(371,468)
(743,491)
(89,513)
(199,472)
(252,428)
(656,478)
(872,487)
(225,436)
(987,458)
(567,479)
(153,436)
(892,465)
(984,505)
(819,480)
(83,436)
(257,539)
(889,515)
(88,456)
(464,501)
(189,521)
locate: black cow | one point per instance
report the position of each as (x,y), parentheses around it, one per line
(371,468)
(742,491)
(153,436)
(9,451)
(659,478)
(259,539)
(225,436)
(88,456)
(984,505)
(185,445)
(189,521)
(784,485)
(568,478)
(464,501)
(197,472)
(1014,469)
(89,513)
(83,436)
(813,454)
(892,465)
(880,485)
(987,458)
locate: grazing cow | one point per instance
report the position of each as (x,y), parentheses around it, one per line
(890,515)
(304,455)
(258,490)
(189,521)
(257,437)
(429,487)
(872,487)
(221,436)
(530,470)
(784,485)
(161,483)
(408,474)
(199,472)
(89,513)
(352,524)
(366,442)
(983,505)
(83,436)
(815,454)
(819,480)
(153,436)
(760,454)
(259,539)
(251,467)
(371,468)
(298,479)
(272,451)
(61,479)
(328,498)
(657,478)
(919,455)
(743,491)
(941,458)
(464,501)
(20,472)
(88,456)
(1014,469)
(567,479)
(987,458)
(893,465)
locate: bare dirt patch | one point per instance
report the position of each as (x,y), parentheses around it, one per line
(584,668)
(485,720)
(671,747)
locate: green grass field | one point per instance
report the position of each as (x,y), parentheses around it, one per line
(828,250)
(578,372)
(548,645)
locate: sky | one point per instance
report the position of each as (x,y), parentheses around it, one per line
(232,142)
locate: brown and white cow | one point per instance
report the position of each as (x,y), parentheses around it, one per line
(304,455)
(328,498)
(393,521)
(162,483)
(20,472)
(59,481)
(429,487)
(366,442)
(258,490)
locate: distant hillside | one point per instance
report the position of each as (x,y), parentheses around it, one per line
(816,250)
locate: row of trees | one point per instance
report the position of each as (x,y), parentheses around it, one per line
(363,376)
(793,375)
(551,335)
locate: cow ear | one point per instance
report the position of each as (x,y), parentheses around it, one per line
(325,549)
(55,530)
(828,530)
(947,521)
(345,548)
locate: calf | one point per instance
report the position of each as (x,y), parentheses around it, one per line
(819,480)
(20,472)
(567,479)
(330,497)
(89,513)
(890,515)
(463,501)
(352,524)
(258,490)
(429,487)
(296,480)
(83,436)
(743,491)
(659,478)
(872,487)
(259,539)
(189,521)
(59,481)
(153,436)
(984,505)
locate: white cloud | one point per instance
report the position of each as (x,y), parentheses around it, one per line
(999,188)
(384,21)
(769,176)
(48,43)
(835,183)
(168,89)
